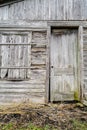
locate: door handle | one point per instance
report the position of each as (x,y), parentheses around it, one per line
(51,66)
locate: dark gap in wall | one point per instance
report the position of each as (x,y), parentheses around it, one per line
(6,75)
(6,1)
(65,102)
(64,27)
(63,30)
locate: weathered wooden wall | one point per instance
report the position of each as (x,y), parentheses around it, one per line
(33,14)
(31,86)
(45,10)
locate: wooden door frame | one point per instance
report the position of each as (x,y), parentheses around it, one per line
(61,24)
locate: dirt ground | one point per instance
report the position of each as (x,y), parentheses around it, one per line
(60,115)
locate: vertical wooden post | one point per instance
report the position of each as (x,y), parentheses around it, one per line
(80,62)
(48,66)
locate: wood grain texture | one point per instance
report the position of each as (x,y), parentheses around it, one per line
(15,56)
(32,56)
(63,64)
(25,23)
(45,10)
(84,64)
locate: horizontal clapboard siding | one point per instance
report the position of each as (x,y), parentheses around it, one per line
(31,89)
(45,10)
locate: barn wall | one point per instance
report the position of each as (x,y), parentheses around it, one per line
(45,10)
(35,14)
(32,83)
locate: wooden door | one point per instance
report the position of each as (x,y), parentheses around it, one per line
(63,65)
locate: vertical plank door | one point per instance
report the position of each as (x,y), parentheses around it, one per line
(63,65)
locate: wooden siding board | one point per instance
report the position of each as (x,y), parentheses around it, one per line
(85,10)
(4,57)
(70,9)
(46,9)
(11,11)
(17,49)
(76,9)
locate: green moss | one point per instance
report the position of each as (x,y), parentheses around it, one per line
(76,95)
(78,125)
(30,126)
